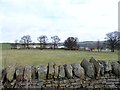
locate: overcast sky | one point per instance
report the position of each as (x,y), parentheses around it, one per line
(89,20)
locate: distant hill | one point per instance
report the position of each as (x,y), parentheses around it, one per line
(92,44)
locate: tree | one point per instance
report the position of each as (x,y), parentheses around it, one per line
(55,40)
(113,40)
(42,40)
(98,45)
(26,40)
(71,43)
(16,43)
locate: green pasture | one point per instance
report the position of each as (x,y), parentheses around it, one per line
(4,46)
(36,57)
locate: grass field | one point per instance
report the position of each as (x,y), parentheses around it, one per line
(5,46)
(35,57)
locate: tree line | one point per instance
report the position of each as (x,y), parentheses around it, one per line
(43,39)
(112,41)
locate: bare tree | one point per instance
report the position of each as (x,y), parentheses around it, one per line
(16,43)
(55,40)
(26,40)
(98,45)
(42,41)
(113,40)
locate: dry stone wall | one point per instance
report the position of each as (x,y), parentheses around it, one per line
(88,74)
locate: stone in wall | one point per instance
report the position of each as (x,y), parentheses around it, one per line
(102,71)
(1,78)
(78,70)
(89,68)
(118,61)
(107,65)
(50,70)
(42,72)
(97,66)
(4,74)
(116,68)
(68,70)
(28,73)
(34,72)
(61,72)
(55,71)
(19,72)
(1,72)
(10,72)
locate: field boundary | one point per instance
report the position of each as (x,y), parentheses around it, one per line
(88,74)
